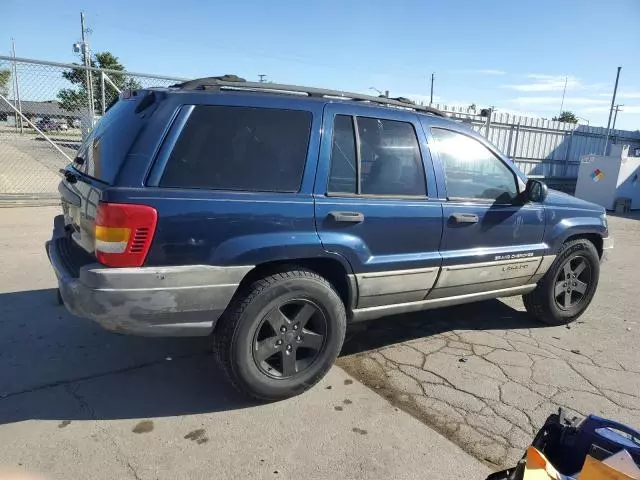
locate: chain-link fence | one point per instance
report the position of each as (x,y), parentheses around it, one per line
(46,109)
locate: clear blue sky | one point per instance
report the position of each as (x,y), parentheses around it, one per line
(513,54)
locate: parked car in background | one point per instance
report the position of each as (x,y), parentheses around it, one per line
(271,216)
(50,124)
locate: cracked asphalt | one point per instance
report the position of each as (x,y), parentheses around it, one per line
(487,376)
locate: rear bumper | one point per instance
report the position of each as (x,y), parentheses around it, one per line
(154,301)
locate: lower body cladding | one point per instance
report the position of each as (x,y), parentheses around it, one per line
(154,301)
(388,293)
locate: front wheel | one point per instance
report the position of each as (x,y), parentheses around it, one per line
(568,287)
(281,335)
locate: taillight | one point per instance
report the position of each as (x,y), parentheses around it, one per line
(124,233)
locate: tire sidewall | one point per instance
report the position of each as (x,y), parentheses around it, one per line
(587,251)
(245,369)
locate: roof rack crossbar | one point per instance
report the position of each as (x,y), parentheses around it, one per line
(211,83)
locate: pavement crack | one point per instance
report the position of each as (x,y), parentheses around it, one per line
(120,455)
(133,471)
(80,399)
(84,378)
(587,380)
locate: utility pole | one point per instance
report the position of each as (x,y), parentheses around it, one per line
(613,101)
(433,76)
(262,77)
(16,98)
(564,91)
(615,115)
(86,59)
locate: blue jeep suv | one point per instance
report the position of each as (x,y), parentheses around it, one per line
(270,216)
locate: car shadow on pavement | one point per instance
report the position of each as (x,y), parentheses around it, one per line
(486,315)
(56,366)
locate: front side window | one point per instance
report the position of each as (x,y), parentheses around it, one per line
(240,148)
(472,170)
(389,162)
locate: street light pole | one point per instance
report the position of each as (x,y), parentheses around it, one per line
(17,87)
(564,91)
(613,101)
(86,59)
(433,76)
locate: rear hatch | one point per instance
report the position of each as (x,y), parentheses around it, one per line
(98,162)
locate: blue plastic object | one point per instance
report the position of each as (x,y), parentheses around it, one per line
(606,435)
(568,445)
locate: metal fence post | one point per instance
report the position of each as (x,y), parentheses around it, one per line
(488,133)
(568,154)
(104,96)
(515,142)
(510,140)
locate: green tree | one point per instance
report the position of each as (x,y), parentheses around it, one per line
(5,75)
(76,98)
(567,117)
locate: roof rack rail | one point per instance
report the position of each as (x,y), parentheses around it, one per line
(222,83)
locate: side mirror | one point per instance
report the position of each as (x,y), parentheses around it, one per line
(536,191)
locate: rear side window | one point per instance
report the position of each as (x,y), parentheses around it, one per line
(389,160)
(240,148)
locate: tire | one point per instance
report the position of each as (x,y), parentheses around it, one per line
(552,309)
(256,321)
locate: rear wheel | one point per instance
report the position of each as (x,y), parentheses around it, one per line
(281,335)
(569,285)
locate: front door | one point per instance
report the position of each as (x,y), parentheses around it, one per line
(372,203)
(490,241)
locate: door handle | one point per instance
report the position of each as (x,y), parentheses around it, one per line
(347,217)
(461,218)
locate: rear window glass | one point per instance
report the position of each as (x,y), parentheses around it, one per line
(106,147)
(240,148)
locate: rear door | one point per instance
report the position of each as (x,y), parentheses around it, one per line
(373,205)
(491,240)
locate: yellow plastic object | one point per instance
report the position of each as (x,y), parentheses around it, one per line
(596,470)
(539,468)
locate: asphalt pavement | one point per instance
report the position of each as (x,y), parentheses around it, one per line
(79,402)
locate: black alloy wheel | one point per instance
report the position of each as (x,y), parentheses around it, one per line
(281,333)
(567,288)
(289,339)
(572,282)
